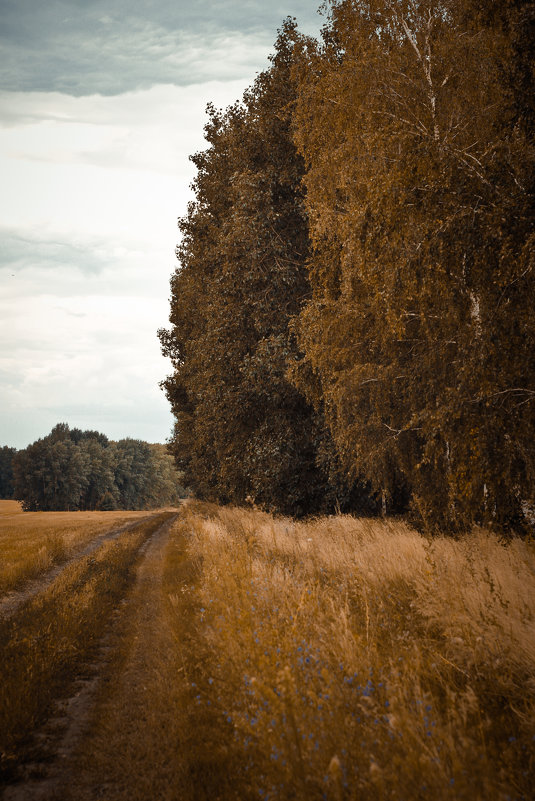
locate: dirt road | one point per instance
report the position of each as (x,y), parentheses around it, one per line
(13,600)
(123,712)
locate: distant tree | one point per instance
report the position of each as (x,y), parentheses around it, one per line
(6,471)
(50,474)
(132,473)
(86,471)
(107,502)
(165,487)
(100,473)
(78,436)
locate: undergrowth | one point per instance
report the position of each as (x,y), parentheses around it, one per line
(355,659)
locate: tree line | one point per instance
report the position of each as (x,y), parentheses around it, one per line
(71,469)
(352,321)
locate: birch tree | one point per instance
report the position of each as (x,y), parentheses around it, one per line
(419,177)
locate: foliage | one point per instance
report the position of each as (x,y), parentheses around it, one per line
(416,126)
(72,469)
(6,471)
(354,304)
(243,431)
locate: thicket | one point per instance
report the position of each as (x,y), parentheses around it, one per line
(71,470)
(352,318)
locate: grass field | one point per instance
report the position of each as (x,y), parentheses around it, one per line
(356,659)
(260,658)
(32,542)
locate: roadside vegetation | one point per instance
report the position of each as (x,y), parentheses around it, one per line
(32,543)
(47,640)
(262,658)
(145,737)
(345,658)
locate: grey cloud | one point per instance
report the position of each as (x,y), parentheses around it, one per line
(19,252)
(113,46)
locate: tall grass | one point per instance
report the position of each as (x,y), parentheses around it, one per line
(147,738)
(356,659)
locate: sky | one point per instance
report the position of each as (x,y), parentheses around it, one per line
(101,104)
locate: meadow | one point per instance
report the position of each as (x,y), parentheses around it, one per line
(32,542)
(256,657)
(357,659)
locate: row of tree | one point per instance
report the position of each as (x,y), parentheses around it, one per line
(352,319)
(6,471)
(71,470)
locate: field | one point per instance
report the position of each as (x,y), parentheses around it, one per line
(32,542)
(222,653)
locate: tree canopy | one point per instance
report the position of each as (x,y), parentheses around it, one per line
(353,310)
(70,469)
(243,429)
(6,471)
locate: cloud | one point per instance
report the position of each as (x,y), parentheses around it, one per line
(82,348)
(116,166)
(101,102)
(22,250)
(111,46)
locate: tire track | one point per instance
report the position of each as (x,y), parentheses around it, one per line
(13,600)
(48,778)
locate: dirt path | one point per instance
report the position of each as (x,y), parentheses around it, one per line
(78,737)
(14,599)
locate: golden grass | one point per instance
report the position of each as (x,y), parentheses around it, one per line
(262,658)
(32,542)
(356,659)
(146,739)
(44,643)
(10,508)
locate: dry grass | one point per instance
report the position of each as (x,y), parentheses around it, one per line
(356,659)
(260,658)
(46,641)
(146,739)
(33,542)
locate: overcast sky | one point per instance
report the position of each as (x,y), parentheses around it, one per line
(101,103)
